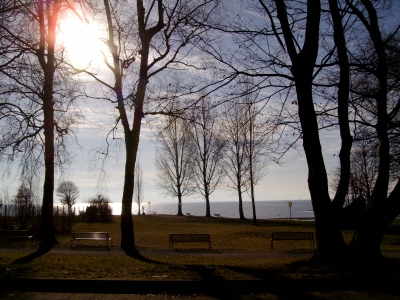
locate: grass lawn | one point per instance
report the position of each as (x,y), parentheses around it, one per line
(151,233)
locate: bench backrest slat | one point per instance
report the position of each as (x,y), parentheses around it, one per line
(90,235)
(292,235)
(10,233)
(196,237)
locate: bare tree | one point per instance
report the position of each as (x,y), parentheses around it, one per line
(161,39)
(174,159)
(138,185)
(257,148)
(300,55)
(208,149)
(24,205)
(234,133)
(68,193)
(34,108)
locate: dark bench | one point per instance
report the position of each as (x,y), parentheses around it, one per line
(189,237)
(90,236)
(285,236)
(15,234)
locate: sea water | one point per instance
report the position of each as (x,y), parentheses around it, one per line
(228,209)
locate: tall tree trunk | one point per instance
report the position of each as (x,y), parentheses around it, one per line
(47,63)
(241,214)
(206,191)
(48,239)
(371,228)
(330,243)
(343,107)
(208,210)
(132,136)
(253,202)
(132,145)
(127,232)
(179,202)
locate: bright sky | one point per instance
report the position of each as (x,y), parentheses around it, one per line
(288,182)
(281,183)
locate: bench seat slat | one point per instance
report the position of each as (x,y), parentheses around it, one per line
(294,235)
(90,236)
(189,237)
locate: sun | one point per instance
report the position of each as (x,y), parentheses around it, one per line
(80,41)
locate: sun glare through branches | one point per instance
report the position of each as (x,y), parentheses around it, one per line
(80,41)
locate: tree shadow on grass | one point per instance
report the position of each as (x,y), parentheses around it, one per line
(43,249)
(135,254)
(296,280)
(268,282)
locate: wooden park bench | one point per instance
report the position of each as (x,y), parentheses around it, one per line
(285,236)
(15,235)
(189,237)
(90,236)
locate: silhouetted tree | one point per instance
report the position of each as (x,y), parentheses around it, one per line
(208,149)
(34,108)
(146,41)
(234,134)
(174,158)
(138,190)
(68,193)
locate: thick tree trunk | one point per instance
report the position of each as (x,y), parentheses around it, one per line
(208,210)
(343,106)
(241,214)
(206,191)
(373,225)
(127,231)
(253,204)
(378,215)
(330,243)
(180,204)
(48,239)
(47,63)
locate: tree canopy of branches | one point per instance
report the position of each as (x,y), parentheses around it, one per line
(234,134)
(68,193)
(35,101)
(257,148)
(145,42)
(314,57)
(174,159)
(208,149)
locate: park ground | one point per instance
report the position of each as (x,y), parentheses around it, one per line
(241,265)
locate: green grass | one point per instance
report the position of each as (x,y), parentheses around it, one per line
(151,233)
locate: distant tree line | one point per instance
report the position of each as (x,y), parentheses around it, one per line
(207,146)
(23,211)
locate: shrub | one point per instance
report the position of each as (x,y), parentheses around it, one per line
(99,209)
